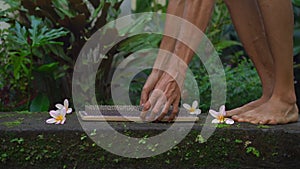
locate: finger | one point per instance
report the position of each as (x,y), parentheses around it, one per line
(146,106)
(144,96)
(144,112)
(149,85)
(171,89)
(170,97)
(165,110)
(158,106)
(175,109)
(143,115)
(153,99)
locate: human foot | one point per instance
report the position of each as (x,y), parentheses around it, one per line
(247,107)
(271,112)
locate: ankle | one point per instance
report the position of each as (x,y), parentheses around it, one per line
(286,98)
(265,97)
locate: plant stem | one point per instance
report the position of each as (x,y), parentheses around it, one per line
(29,76)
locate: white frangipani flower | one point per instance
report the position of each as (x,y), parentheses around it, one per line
(220,116)
(58,116)
(192,109)
(65,106)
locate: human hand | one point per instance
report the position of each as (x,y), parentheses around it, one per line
(165,93)
(163,90)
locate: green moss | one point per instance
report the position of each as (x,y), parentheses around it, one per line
(13,123)
(253,150)
(222,149)
(24,112)
(263,127)
(7,115)
(223,125)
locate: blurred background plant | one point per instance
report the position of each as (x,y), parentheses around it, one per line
(41,45)
(45,37)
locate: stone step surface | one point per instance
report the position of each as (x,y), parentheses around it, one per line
(28,142)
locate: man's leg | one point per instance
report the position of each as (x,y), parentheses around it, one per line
(248,23)
(281,108)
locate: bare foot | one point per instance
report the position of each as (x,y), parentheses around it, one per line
(247,107)
(271,112)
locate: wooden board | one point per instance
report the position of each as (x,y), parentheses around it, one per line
(125,113)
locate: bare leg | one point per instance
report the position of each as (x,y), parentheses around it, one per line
(281,108)
(249,26)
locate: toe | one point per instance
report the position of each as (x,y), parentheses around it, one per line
(272,121)
(233,112)
(246,117)
(255,121)
(238,118)
(235,117)
(264,121)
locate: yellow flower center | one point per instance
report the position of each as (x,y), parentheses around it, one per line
(221,119)
(192,110)
(59,118)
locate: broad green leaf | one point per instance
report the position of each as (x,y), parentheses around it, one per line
(40,103)
(20,37)
(48,68)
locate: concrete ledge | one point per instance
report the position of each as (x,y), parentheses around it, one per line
(28,142)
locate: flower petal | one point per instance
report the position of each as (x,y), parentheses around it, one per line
(222,110)
(215,121)
(51,121)
(63,121)
(66,103)
(186,106)
(59,106)
(63,112)
(197,112)
(69,110)
(214,113)
(195,104)
(229,121)
(53,113)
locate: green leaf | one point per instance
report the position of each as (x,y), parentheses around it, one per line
(20,33)
(296,50)
(62,9)
(143,6)
(297,40)
(59,51)
(225,44)
(48,68)
(296,2)
(40,103)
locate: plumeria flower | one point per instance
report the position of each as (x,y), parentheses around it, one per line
(220,116)
(193,110)
(58,116)
(65,106)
